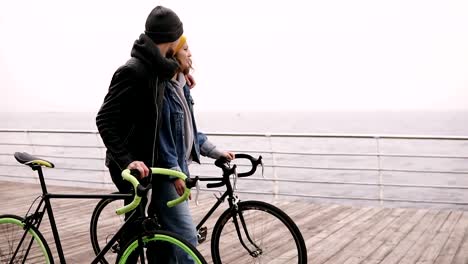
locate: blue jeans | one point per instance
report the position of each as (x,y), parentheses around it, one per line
(176,219)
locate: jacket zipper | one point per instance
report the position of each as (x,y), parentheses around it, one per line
(155,91)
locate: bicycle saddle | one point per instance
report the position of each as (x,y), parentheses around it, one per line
(30,160)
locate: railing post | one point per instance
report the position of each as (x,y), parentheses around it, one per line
(273,166)
(379,171)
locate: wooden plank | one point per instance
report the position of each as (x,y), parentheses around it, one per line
(462,253)
(454,242)
(339,240)
(366,243)
(385,243)
(406,247)
(327,231)
(416,250)
(438,241)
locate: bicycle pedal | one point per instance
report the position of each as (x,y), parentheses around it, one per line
(202,233)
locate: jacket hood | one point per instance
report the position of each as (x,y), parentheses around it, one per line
(146,50)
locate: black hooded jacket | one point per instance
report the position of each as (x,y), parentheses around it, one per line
(128,118)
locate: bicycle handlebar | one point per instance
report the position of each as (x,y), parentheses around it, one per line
(126,174)
(223,164)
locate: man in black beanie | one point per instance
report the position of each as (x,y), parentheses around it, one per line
(128,120)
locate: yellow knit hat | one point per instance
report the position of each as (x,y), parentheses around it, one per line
(181,43)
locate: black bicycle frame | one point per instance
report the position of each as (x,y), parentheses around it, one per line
(36,218)
(229,192)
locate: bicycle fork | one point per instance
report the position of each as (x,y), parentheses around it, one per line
(236,212)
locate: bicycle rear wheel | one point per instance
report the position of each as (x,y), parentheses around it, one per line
(29,245)
(267,232)
(103,226)
(159,245)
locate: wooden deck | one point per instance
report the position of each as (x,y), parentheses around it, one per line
(333,233)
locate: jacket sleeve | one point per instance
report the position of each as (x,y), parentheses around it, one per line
(109,117)
(207,148)
(167,154)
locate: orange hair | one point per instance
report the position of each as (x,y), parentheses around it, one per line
(182,41)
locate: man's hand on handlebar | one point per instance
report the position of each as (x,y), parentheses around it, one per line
(141,167)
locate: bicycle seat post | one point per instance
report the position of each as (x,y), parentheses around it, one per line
(48,206)
(41,178)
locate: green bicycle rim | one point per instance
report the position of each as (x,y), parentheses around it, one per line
(157,237)
(30,231)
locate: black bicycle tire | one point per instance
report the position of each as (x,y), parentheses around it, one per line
(39,235)
(164,233)
(94,222)
(258,205)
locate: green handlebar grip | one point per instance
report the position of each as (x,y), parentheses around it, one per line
(136,201)
(169,172)
(180,199)
(179,175)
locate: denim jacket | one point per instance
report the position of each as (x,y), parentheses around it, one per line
(171,147)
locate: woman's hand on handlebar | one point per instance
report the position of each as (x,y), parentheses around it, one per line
(141,167)
(229,155)
(179,185)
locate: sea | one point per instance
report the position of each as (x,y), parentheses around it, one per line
(309,175)
(446,123)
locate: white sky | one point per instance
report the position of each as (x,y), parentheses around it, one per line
(249,55)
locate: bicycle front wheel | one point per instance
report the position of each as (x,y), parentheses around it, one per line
(257,233)
(19,245)
(161,247)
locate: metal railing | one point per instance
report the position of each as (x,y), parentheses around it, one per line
(442,173)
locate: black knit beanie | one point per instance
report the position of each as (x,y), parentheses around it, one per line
(163,25)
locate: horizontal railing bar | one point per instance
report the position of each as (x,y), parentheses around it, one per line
(244,134)
(425,171)
(368,169)
(269,152)
(51,131)
(349,183)
(273,152)
(350,169)
(58,168)
(71,157)
(60,179)
(311,168)
(372,199)
(349,154)
(58,157)
(51,145)
(323,135)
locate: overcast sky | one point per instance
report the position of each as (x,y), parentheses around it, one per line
(249,55)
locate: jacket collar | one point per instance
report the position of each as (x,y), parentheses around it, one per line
(145,50)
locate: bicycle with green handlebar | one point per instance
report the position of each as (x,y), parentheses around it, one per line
(22,242)
(246,232)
